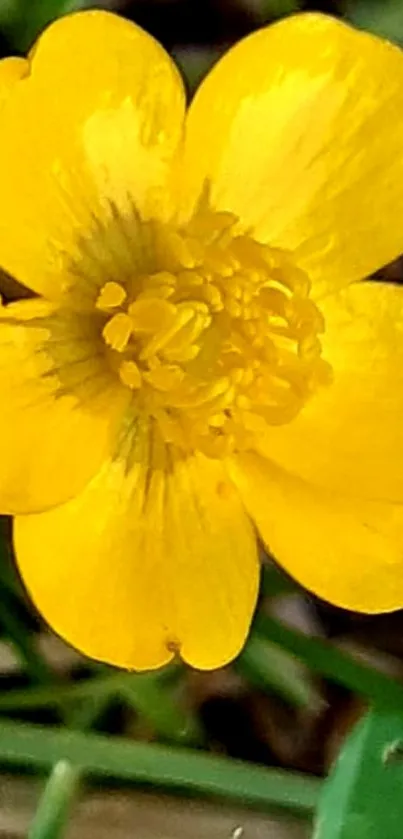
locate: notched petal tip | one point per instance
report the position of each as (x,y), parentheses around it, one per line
(96,122)
(150,565)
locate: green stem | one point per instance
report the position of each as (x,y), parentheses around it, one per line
(63,784)
(60,694)
(148,763)
(324,658)
(147,694)
(271,668)
(54,807)
(156,704)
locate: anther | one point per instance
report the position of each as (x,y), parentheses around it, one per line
(130,375)
(117,331)
(111,296)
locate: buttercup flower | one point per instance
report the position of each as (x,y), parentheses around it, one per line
(202,359)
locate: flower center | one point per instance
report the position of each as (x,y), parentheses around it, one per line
(213,332)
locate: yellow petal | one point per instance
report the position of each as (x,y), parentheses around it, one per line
(12,70)
(51,443)
(96,122)
(146,562)
(347,552)
(293,131)
(349,436)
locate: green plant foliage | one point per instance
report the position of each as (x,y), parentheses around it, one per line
(52,814)
(22,21)
(272,669)
(278,8)
(383,17)
(333,663)
(178,768)
(363,796)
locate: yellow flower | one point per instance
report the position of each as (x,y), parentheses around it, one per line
(202,357)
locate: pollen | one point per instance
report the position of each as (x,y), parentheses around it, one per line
(213,332)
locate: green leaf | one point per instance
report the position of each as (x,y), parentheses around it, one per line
(363,796)
(166,767)
(383,17)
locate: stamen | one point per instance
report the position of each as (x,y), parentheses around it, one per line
(152,315)
(130,375)
(165,377)
(215,330)
(117,331)
(162,338)
(111,296)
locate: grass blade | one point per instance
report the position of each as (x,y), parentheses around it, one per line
(178,768)
(324,658)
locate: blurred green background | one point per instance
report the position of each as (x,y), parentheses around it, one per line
(89,751)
